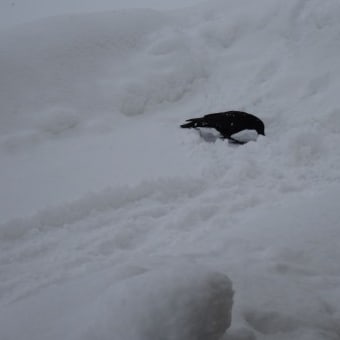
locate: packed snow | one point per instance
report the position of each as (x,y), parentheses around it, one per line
(117,224)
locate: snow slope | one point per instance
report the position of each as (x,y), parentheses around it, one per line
(102,193)
(16,12)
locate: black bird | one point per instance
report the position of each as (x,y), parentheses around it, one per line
(228,123)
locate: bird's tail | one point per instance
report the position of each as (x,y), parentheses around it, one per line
(194,123)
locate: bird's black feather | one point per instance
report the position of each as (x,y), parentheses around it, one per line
(227,123)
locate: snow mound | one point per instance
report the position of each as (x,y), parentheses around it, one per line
(245,136)
(95,101)
(183,302)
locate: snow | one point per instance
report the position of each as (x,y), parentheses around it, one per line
(16,12)
(116,223)
(170,303)
(245,136)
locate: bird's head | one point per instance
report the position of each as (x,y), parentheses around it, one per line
(260,128)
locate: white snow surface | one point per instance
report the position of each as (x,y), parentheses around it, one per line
(117,224)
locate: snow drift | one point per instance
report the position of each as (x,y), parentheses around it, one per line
(102,193)
(178,302)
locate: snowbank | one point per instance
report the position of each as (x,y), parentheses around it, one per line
(179,302)
(100,188)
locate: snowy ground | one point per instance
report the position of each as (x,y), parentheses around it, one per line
(102,195)
(14,12)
